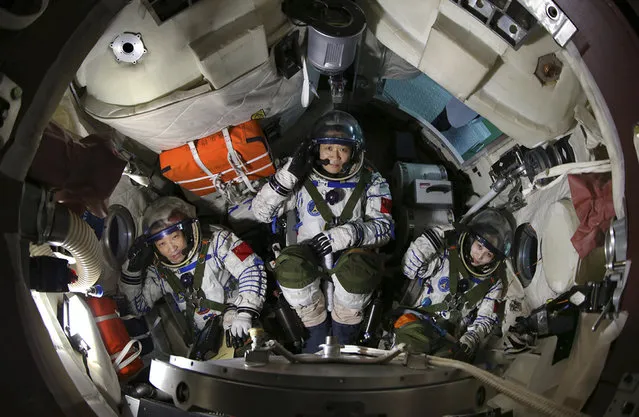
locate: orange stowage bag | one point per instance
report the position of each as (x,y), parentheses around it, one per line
(125,354)
(248,144)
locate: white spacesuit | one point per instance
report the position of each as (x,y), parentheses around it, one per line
(329,222)
(466,302)
(219,273)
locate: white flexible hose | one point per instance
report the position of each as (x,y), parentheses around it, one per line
(481,202)
(83,244)
(509,388)
(40,250)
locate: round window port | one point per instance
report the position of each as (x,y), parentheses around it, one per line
(119,233)
(524,254)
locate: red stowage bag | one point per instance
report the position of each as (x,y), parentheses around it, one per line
(125,352)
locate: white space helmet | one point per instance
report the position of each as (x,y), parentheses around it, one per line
(494,231)
(341,128)
(167,215)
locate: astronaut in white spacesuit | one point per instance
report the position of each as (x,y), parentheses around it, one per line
(208,272)
(462,278)
(343,211)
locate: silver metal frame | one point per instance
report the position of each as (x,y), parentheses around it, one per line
(551,18)
(284,389)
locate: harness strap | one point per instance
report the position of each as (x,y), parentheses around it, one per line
(454,269)
(470,297)
(320,204)
(347,211)
(177,286)
(198,275)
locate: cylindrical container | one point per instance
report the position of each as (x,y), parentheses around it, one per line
(404,173)
(287,318)
(333,37)
(412,222)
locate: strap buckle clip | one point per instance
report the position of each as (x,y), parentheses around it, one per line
(455,303)
(192,297)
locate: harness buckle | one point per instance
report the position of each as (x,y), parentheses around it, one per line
(191,296)
(335,222)
(454,306)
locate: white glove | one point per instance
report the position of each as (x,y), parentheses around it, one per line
(242,322)
(229,316)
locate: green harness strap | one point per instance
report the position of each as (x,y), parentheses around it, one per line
(177,286)
(347,212)
(454,301)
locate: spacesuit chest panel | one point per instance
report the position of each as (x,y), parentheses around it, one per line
(437,289)
(310,221)
(216,286)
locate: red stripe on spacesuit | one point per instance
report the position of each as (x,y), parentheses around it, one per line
(387,205)
(242,251)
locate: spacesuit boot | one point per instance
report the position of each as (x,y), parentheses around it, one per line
(316,336)
(346,333)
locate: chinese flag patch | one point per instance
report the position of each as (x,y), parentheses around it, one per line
(242,251)
(387,205)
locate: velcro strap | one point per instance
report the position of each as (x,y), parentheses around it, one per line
(157,321)
(235,161)
(107,317)
(213,305)
(226,171)
(198,161)
(119,361)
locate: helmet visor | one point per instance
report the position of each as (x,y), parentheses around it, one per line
(493,230)
(181,226)
(338,127)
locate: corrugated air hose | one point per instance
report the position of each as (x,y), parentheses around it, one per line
(81,241)
(40,250)
(509,388)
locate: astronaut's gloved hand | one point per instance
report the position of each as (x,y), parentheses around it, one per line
(302,161)
(463,352)
(242,322)
(236,325)
(321,244)
(229,316)
(139,256)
